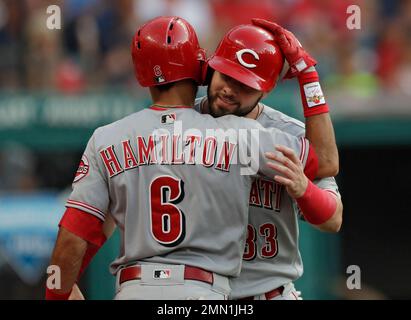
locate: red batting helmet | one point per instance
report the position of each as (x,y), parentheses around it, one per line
(250,55)
(165,50)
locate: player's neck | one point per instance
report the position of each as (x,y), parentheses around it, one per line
(181,93)
(255,113)
(205,106)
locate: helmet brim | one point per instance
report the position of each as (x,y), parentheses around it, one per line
(239,73)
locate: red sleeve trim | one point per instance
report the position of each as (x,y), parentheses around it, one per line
(311,165)
(303,148)
(84,225)
(85,207)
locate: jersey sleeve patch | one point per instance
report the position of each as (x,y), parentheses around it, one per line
(83,169)
(314,94)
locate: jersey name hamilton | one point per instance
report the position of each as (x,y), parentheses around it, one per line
(168,150)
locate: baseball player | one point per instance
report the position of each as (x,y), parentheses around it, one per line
(272,260)
(165,175)
(265,271)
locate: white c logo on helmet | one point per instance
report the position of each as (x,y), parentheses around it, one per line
(240,53)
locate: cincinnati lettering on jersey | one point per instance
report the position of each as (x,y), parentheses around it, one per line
(266,194)
(168,150)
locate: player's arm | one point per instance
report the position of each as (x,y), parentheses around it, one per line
(321,208)
(334,223)
(68,256)
(320,132)
(81,227)
(319,127)
(109,226)
(108,229)
(269,138)
(80,237)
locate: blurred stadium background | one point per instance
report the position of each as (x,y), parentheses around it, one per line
(57,86)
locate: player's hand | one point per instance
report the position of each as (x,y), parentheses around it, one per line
(291,170)
(76,293)
(298,59)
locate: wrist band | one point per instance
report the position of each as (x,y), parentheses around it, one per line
(317,205)
(312,96)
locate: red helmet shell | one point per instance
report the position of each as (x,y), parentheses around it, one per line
(166,50)
(250,55)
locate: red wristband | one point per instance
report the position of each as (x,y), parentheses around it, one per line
(50,295)
(311,94)
(317,205)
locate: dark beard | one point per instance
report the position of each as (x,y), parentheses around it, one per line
(240,113)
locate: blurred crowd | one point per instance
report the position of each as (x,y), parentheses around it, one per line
(91,51)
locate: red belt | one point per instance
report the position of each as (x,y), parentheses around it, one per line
(190,273)
(269,295)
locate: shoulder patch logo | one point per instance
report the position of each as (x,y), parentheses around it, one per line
(314,94)
(83,169)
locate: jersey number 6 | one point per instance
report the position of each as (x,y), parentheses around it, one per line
(167,220)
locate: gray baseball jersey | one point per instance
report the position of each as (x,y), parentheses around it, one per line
(272,257)
(174,186)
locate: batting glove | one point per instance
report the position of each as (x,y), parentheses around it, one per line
(298,59)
